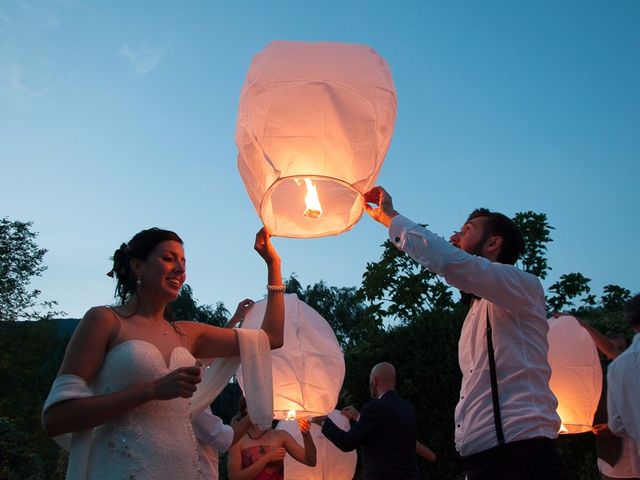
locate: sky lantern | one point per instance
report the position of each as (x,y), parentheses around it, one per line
(332,463)
(308,370)
(576,374)
(314,124)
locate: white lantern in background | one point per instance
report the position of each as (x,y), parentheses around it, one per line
(332,463)
(314,123)
(308,370)
(576,374)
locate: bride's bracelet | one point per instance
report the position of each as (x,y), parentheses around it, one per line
(276,288)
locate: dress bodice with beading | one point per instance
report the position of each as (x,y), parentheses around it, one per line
(154,440)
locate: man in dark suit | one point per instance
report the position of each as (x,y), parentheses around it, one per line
(386,429)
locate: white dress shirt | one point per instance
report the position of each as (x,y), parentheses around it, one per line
(516,305)
(623,393)
(213,437)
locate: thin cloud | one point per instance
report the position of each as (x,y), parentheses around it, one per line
(17,83)
(15,87)
(25,73)
(27,18)
(143,59)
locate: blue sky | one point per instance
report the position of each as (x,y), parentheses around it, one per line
(117,116)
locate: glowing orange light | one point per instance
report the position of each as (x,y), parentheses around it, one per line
(311,200)
(563,429)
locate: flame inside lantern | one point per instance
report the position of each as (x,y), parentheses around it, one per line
(311,200)
(563,429)
(291,415)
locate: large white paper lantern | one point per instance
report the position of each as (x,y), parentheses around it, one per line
(331,462)
(313,116)
(576,374)
(308,370)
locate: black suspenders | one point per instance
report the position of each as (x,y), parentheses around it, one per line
(494,384)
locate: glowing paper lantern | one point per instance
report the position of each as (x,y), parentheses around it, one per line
(576,374)
(308,370)
(314,122)
(332,463)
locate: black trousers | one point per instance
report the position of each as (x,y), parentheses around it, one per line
(532,459)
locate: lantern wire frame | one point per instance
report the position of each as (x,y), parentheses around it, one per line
(342,204)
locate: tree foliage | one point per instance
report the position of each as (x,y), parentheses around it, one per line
(568,289)
(537,234)
(30,354)
(614,297)
(20,260)
(17,458)
(341,307)
(398,287)
(185,307)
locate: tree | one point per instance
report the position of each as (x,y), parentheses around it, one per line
(614,297)
(20,260)
(30,355)
(185,307)
(341,307)
(398,287)
(17,457)
(569,287)
(536,232)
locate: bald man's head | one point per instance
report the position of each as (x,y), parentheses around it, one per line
(382,379)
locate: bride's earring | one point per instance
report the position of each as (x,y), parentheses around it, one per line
(139,281)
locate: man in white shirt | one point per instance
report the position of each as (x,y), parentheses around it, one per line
(506,420)
(623,382)
(215,437)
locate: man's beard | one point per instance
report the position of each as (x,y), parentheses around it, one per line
(477,248)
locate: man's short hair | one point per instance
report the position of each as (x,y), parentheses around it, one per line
(502,226)
(632,311)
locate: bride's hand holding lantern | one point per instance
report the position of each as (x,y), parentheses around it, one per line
(265,248)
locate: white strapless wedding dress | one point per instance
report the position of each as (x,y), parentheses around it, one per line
(154,440)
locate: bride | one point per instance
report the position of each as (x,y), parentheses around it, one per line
(135,367)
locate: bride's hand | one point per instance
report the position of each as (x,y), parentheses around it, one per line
(179,383)
(265,248)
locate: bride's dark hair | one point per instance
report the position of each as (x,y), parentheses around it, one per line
(140,247)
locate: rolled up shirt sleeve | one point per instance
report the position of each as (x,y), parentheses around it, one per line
(210,429)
